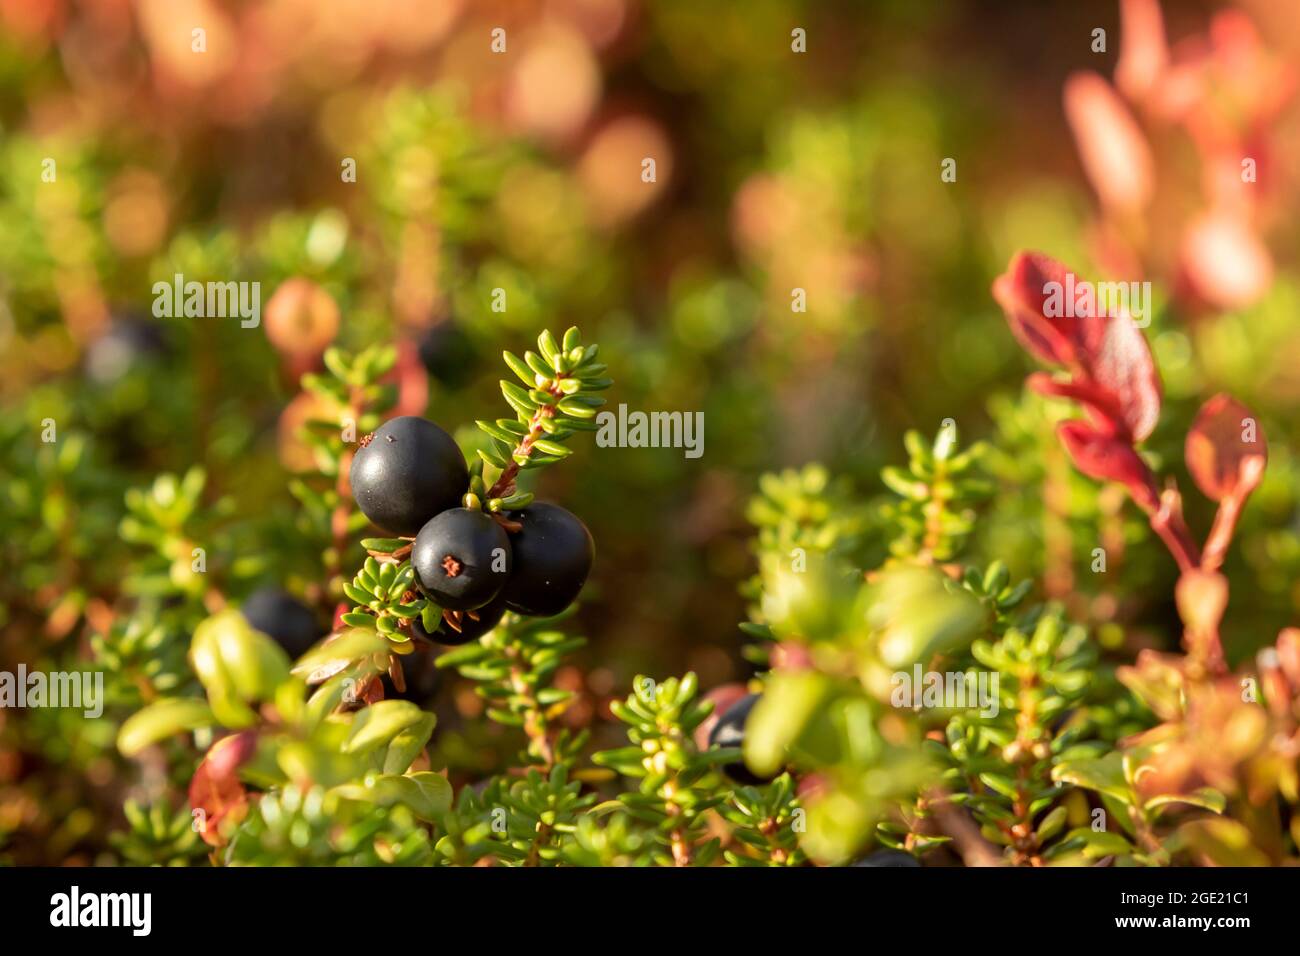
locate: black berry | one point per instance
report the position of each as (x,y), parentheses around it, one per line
(283,618)
(887,858)
(472,624)
(407,472)
(461,559)
(729,731)
(553,554)
(448,354)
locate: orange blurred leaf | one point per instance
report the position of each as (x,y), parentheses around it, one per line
(215,788)
(1112,148)
(1202,597)
(1226,452)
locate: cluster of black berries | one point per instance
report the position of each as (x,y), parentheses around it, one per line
(411,480)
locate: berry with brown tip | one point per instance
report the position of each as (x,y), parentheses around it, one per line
(462,559)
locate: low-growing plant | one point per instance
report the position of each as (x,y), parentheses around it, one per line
(910,703)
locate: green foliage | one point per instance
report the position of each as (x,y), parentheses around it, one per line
(678,782)
(386,595)
(937,491)
(1002,762)
(53,522)
(512,667)
(295,827)
(767,821)
(351,399)
(158,837)
(143,656)
(557,398)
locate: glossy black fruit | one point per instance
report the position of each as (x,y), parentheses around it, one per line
(887,858)
(729,731)
(448,354)
(284,619)
(471,628)
(553,554)
(461,559)
(408,471)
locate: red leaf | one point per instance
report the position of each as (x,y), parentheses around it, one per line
(1095,400)
(1226,451)
(1110,361)
(339,610)
(1109,458)
(215,788)
(1021,291)
(1119,361)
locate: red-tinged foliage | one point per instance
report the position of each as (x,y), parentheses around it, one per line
(1143,49)
(1098,403)
(1120,363)
(1112,376)
(1226,451)
(1168,522)
(1110,364)
(1214,743)
(1202,598)
(215,788)
(1109,458)
(1223,262)
(1021,291)
(1112,147)
(1226,454)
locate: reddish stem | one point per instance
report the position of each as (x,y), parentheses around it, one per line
(1167,521)
(1225,525)
(502,486)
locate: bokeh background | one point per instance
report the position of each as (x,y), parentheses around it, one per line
(521,171)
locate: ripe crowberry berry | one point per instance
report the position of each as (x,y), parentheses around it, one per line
(473,625)
(729,731)
(887,858)
(408,471)
(552,554)
(283,618)
(461,559)
(448,354)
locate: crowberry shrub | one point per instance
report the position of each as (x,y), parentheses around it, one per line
(847,747)
(1017,651)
